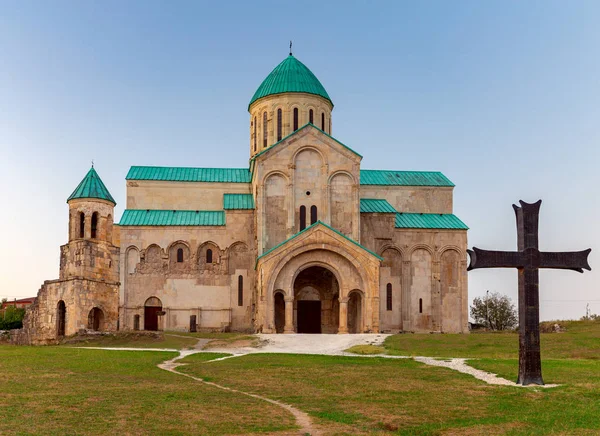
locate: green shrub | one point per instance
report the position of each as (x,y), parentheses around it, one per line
(11,318)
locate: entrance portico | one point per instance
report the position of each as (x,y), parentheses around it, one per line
(319,274)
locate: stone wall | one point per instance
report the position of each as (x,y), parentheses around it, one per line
(412,199)
(202,285)
(312,170)
(427,271)
(80,296)
(164,195)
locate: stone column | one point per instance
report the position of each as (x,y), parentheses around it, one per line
(343,325)
(289,315)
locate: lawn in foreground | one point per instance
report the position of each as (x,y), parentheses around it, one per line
(60,390)
(581,340)
(365,395)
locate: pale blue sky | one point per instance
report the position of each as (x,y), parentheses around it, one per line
(501,96)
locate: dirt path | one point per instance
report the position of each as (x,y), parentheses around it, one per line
(302,419)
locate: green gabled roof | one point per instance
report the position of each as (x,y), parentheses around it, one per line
(375,205)
(186,174)
(144,217)
(291,75)
(297,131)
(403,178)
(429,221)
(238,201)
(308,228)
(91,187)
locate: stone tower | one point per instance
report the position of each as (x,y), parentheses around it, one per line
(86,294)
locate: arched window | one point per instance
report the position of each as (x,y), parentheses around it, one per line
(94,224)
(254,133)
(279,116)
(313,214)
(209,256)
(240,291)
(264,126)
(302,217)
(388,296)
(420,305)
(323,121)
(180,255)
(310,116)
(82,225)
(295,119)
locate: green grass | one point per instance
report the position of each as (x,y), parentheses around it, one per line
(366,349)
(59,390)
(63,390)
(581,340)
(354,395)
(129,340)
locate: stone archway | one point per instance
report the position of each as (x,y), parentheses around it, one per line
(96,320)
(152,307)
(315,289)
(61,318)
(355,312)
(279,315)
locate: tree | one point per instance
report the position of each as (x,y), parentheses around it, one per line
(495,311)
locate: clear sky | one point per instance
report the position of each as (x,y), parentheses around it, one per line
(501,96)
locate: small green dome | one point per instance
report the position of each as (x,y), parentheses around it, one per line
(290,76)
(91,187)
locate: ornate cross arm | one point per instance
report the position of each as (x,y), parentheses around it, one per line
(494,259)
(573,260)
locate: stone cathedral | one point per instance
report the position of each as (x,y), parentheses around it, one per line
(303,240)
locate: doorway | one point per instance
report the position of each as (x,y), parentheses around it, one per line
(355,313)
(309,317)
(316,290)
(96,320)
(279,312)
(152,307)
(61,315)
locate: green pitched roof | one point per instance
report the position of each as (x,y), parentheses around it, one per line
(291,75)
(143,217)
(92,187)
(238,201)
(375,205)
(308,228)
(403,178)
(184,174)
(429,221)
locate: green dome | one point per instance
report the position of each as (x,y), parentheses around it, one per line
(91,187)
(290,76)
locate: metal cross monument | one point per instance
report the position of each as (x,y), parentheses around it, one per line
(528,260)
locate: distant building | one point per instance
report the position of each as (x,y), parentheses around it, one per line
(20,304)
(302,240)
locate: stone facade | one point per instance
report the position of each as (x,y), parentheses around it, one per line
(297,256)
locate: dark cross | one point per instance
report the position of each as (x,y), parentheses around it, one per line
(528,260)
(290,48)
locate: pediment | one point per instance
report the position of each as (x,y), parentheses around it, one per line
(320,236)
(308,135)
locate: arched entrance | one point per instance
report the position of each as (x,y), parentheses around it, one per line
(279,314)
(96,320)
(152,307)
(355,313)
(61,318)
(315,290)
